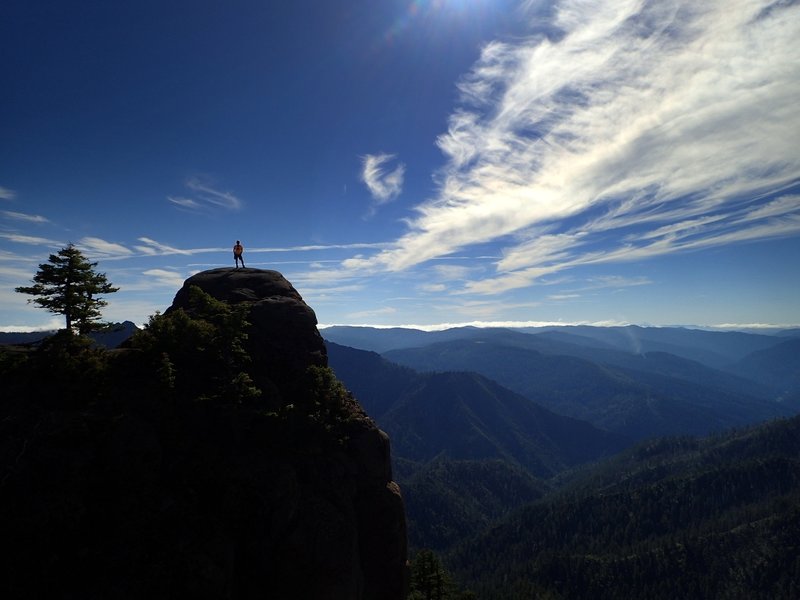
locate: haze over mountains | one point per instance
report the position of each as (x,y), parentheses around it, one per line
(464,415)
(638,382)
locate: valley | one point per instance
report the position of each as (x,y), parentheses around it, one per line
(591,462)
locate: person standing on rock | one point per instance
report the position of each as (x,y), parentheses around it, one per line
(238,250)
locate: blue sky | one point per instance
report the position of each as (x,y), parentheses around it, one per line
(418,162)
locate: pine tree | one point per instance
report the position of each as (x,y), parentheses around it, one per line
(68,285)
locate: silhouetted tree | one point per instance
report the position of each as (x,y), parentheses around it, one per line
(68,285)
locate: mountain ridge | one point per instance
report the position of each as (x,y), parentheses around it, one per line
(625,401)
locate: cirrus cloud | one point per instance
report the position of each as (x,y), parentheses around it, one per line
(205,197)
(18,216)
(636,129)
(98,247)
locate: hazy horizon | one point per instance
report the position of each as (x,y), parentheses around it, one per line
(743,327)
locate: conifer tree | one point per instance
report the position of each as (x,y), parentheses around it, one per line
(68,285)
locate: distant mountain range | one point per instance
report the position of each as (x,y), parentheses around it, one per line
(620,379)
(713,348)
(465,450)
(485,421)
(111,337)
(465,416)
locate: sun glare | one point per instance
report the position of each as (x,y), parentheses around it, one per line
(439,10)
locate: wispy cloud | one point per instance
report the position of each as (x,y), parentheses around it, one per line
(14,273)
(7,194)
(205,196)
(312,247)
(209,194)
(99,248)
(18,216)
(638,129)
(434,288)
(165,277)
(449,272)
(152,247)
(185,202)
(616,282)
(384,185)
(378,312)
(29,239)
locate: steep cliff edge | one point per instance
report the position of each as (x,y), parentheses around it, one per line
(116,487)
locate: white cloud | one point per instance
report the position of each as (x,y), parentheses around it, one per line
(383,185)
(205,197)
(152,247)
(97,247)
(18,216)
(307,248)
(432,287)
(450,272)
(213,196)
(378,312)
(615,281)
(501,324)
(7,194)
(764,326)
(164,277)
(641,129)
(14,273)
(185,202)
(29,239)
(49,325)
(780,206)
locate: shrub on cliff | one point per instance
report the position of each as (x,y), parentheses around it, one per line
(321,407)
(199,354)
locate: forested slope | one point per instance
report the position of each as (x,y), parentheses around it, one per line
(675,518)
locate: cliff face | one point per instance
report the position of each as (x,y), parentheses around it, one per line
(128,496)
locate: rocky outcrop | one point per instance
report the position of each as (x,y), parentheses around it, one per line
(130,496)
(283,339)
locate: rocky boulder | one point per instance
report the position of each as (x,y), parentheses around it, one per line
(283,338)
